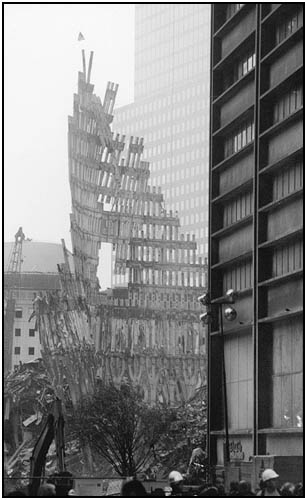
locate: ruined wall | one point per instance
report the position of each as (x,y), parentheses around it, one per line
(161,349)
(150,331)
(167,379)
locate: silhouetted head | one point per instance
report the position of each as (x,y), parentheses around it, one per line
(299,490)
(158,492)
(209,492)
(244,488)
(220,490)
(46,490)
(287,490)
(234,486)
(63,483)
(133,488)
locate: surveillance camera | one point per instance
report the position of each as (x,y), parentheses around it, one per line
(230,313)
(231,296)
(205,318)
(204,299)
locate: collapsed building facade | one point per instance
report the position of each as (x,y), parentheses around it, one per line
(148,332)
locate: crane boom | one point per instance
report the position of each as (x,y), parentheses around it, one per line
(15,262)
(52,430)
(13,283)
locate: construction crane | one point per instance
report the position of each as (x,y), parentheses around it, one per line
(12,286)
(15,261)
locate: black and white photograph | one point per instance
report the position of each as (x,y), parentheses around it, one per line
(153,249)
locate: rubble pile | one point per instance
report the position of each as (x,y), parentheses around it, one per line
(188,432)
(28,397)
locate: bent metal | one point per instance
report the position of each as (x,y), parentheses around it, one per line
(148,332)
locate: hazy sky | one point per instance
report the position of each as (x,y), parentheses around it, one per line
(42,60)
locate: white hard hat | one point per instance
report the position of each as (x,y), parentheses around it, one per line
(167,491)
(269,474)
(175,477)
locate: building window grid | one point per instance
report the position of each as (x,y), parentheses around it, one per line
(198,89)
(240,69)
(287,181)
(232,9)
(238,277)
(287,376)
(17,332)
(288,258)
(288,104)
(289,25)
(246,65)
(238,208)
(239,138)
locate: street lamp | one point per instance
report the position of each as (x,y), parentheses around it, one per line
(230,314)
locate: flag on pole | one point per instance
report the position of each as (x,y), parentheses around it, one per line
(80,37)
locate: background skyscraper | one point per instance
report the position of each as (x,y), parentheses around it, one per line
(171,107)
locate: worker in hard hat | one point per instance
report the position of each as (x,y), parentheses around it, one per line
(269,489)
(176,483)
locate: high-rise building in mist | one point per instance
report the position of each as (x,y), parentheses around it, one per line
(171,107)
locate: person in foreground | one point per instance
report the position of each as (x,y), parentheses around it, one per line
(133,488)
(269,484)
(175,480)
(46,490)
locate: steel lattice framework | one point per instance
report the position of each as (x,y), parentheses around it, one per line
(148,332)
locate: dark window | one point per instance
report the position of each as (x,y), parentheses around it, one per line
(31,332)
(232,8)
(17,350)
(287,258)
(288,104)
(18,313)
(240,68)
(17,332)
(31,351)
(238,139)
(289,25)
(237,208)
(238,277)
(243,66)
(288,180)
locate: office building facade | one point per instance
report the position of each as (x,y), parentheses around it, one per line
(171,107)
(256,231)
(38,275)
